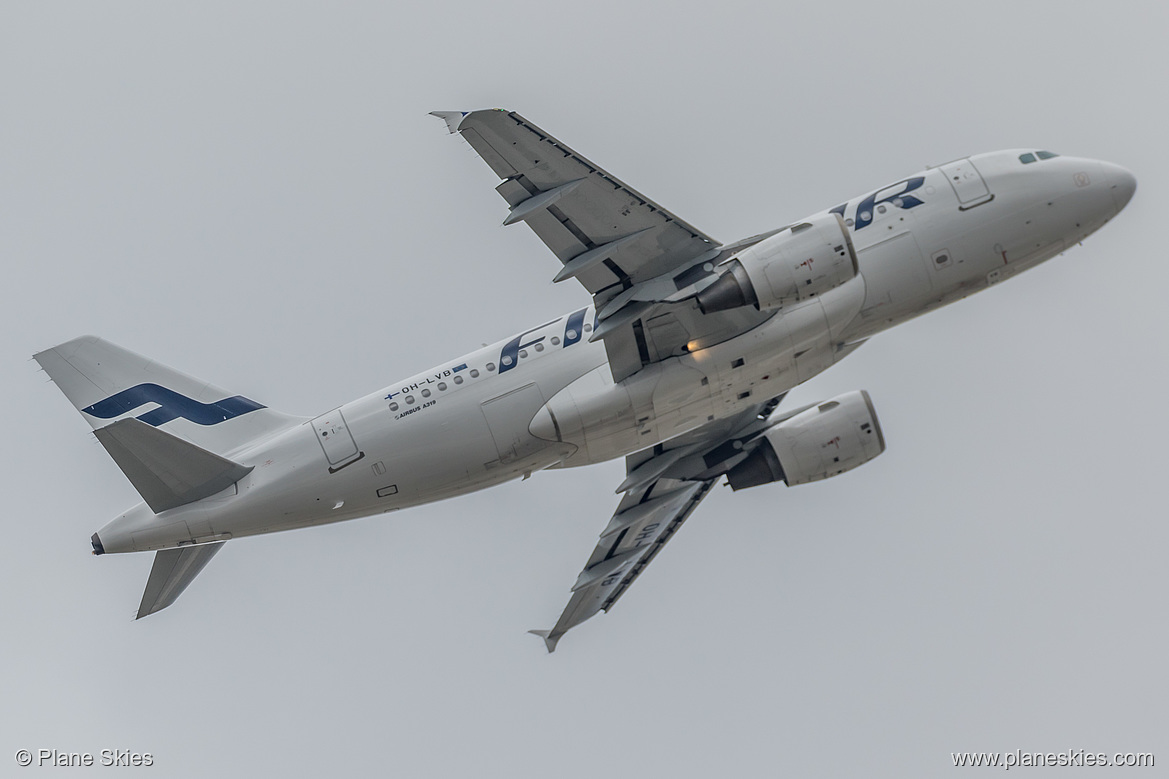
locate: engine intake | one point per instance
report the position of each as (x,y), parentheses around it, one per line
(823,441)
(801,262)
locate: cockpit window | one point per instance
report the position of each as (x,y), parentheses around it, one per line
(1030,157)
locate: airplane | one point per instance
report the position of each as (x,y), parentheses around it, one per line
(679,364)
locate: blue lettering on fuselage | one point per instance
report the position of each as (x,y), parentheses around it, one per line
(863,216)
(508,356)
(574,327)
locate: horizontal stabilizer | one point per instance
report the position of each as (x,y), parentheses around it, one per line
(549,640)
(166,470)
(173,571)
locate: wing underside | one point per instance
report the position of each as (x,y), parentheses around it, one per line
(643,266)
(603,231)
(641,263)
(645,520)
(663,487)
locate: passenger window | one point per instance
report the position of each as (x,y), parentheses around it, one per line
(1045,155)
(1026,158)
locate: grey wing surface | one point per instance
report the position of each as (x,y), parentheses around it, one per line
(663,487)
(642,264)
(172,572)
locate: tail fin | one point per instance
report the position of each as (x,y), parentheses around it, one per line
(106,382)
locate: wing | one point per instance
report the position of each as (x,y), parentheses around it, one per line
(662,488)
(642,264)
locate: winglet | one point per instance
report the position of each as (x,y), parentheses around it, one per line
(548,640)
(452,119)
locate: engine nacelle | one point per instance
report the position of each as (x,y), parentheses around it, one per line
(801,262)
(830,438)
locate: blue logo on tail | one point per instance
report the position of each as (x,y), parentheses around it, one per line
(171,405)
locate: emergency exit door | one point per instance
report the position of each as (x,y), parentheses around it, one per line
(336,440)
(967,183)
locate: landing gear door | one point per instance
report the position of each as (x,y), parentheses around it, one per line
(336,440)
(967,183)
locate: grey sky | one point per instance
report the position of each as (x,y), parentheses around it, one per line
(256,196)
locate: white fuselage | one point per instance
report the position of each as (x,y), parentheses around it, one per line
(546,398)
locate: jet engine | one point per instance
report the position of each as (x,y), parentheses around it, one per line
(805,260)
(824,440)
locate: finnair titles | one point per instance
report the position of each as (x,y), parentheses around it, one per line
(679,363)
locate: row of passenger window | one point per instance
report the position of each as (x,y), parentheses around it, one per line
(867,216)
(474,372)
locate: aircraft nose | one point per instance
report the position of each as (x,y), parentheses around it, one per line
(1122,184)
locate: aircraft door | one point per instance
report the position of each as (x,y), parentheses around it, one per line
(967,183)
(336,440)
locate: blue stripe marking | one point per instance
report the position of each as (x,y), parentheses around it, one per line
(172,405)
(575,325)
(458,368)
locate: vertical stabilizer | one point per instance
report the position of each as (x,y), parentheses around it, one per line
(106,383)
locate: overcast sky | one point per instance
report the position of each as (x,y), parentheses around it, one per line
(257,197)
